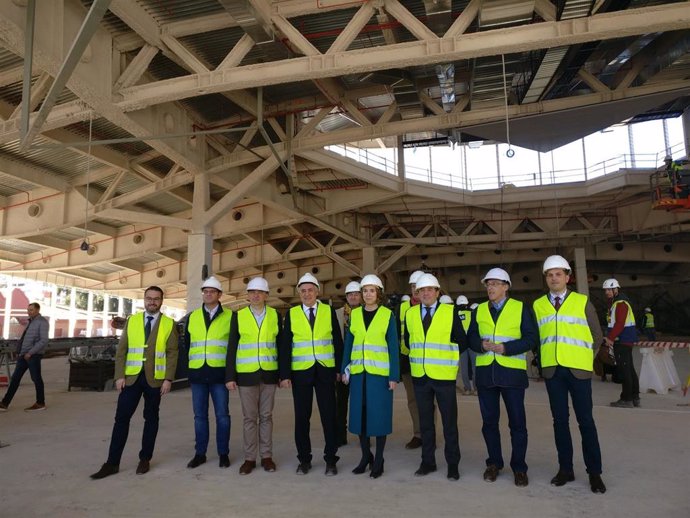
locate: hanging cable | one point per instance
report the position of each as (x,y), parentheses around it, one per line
(85,244)
(511,152)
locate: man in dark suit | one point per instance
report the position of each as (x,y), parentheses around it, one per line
(145,365)
(310,348)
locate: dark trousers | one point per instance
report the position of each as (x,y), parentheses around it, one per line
(626,372)
(426,390)
(558,387)
(127,404)
(303,397)
(342,394)
(490,406)
(34,368)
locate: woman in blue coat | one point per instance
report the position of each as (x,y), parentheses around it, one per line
(371,366)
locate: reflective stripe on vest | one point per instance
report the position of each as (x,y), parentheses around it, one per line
(311,346)
(369,347)
(629,333)
(257,346)
(649,322)
(564,334)
(465,316)
(136,345)
(404,306)
(432,354)
(210,345)
(506,328)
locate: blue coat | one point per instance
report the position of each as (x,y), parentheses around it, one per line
(379,399)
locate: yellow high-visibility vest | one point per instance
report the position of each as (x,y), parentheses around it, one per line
(210,345)
(311,346)
(432,354)
(404,306)
(257,348)
(136,345)
(505,329)
(564,335)
(369,348)
(465,316)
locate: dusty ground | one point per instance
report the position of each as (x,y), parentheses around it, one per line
(45,470)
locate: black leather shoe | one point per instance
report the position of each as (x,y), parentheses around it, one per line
(196,461)
(224,461)
(491,473)
(331,470)
(621,404)
(363,464)
(105,471)
(521,479)
(376,469)
(597,484)
(414,443)
(143,467)
(425,469)
(636,402)
(303,468)
(453,473)
(562,478)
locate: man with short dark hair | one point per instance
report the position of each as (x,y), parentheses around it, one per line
(145,366)
(29,354)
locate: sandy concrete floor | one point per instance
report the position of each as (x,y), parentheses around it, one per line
(45,470)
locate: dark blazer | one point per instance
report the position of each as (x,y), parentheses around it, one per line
(149,357)
(317,371)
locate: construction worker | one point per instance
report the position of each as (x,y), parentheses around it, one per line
(405,375)
(435,339)
(648,326)
(622,335)
(467,358)
(310,348)
(568,329)
(208,334)
(145,365)
(252,368)
(353,299)
(501,332)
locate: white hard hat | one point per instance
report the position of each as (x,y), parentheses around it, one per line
(445,299)
(474,306)
(461,300)
(648,310)
(405,298)
(212,282)
(498,274)
(426,280)
(308,277)
(258,283)
(371,280)
(556,261)
(352,287)
(414,276)
(610,284)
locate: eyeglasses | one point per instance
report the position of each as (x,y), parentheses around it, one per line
(494,284)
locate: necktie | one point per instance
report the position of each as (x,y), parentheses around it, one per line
(147,328)
(557,303)
(426,321)
(312,317)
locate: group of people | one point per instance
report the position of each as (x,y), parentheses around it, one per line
(360,353)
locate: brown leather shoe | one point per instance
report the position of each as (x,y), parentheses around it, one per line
(268,464)
(521,479)
(247,467)
(414,443)
(491,473)
(143,467)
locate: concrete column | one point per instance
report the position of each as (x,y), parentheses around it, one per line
(686,131)
(120,306)
(201,246)
(54,312)
(72,311)
(105,324)
(581,272)
(89,314)
(368,260)
(7,313)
